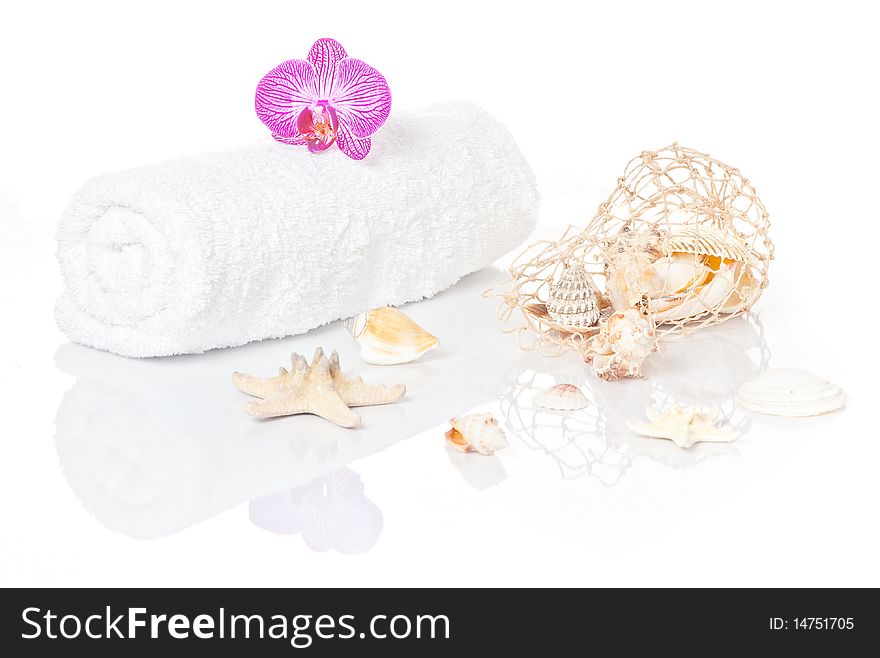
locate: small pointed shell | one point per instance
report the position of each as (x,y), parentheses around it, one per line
(562,397)
(790,392)
(572,301)
(476,433)
(388,336)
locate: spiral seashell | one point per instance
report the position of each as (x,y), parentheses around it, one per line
(476,433)
(573,299)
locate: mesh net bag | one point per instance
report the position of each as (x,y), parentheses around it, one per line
(682,243)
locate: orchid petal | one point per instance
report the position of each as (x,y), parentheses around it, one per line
(324,56)
(283,93)
(361,97)
(356,149)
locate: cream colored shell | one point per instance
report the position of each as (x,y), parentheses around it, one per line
(621,346)
(476,433)
(790,392)
(703,240)
(562,397)
(387,336)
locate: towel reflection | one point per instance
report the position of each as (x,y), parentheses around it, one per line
(153,446)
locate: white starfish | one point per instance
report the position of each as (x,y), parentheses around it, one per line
(318,388)
(684,426)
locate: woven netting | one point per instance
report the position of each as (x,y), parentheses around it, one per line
(683,238)
(703,372)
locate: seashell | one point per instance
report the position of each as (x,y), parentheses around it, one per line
(538,310)
(700,271)
(628,278)
(745,289)
(621,346)
(388,336)
(677,273)
(684,426)
(573,299)
(708,297)
(476,433)
(790,392)
(704,240)
(562,397)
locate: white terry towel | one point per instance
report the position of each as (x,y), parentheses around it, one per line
(270,240)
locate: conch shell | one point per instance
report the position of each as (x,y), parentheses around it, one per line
(388,336)
(621,346)
(476,433)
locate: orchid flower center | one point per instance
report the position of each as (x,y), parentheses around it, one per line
(318,125)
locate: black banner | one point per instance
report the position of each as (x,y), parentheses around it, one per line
(409,622)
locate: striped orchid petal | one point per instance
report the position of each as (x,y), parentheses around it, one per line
(361,97)
(356,149)
(282,95)
(324,56)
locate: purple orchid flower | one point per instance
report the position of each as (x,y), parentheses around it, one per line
(330,97)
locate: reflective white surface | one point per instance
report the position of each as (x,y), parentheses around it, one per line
(127,473)
(152,446)
(147,472)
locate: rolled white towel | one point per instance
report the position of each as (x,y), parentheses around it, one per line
(269,240)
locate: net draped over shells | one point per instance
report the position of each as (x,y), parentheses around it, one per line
(682,240)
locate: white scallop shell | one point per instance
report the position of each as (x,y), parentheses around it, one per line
(572,301)
(480,432)
(790,392)
(562,397)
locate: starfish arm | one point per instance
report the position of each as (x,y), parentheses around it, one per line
(260,387)
(356,393)
(286,405)
(332,408)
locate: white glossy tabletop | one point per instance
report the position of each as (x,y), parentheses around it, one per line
(123,472)
(147,472)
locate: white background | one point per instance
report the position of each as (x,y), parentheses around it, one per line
(787,92)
